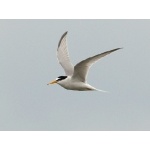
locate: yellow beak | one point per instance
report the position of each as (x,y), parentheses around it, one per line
(53,82)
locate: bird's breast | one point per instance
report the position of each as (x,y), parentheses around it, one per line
(75,85)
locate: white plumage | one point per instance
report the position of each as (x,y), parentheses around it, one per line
(76,76)
(63,55)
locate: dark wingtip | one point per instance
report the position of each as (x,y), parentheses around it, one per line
(62,38)
(116,49)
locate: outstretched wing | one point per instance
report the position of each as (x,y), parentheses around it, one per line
(82,68)
(63,55)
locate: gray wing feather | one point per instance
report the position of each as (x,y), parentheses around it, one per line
(63,55)
(81,69)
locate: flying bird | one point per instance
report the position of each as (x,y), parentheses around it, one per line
(75,78)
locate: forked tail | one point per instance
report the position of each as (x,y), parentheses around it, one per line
(101,91)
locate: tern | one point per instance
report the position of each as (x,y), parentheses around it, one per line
(75,78)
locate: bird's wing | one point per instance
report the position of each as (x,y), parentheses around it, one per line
(81,69)
(63,55)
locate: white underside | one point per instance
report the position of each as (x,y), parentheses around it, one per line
(71,84)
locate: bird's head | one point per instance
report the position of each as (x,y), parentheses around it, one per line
(58,79)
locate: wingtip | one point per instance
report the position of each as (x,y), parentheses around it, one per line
(118,48)
(66,32)
(62,38)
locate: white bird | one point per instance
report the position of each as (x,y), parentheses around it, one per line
(75,78)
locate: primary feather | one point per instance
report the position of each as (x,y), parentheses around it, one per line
(63,55)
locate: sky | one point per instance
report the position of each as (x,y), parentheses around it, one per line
(28,62)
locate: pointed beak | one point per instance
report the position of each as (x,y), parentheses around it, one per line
(53,82)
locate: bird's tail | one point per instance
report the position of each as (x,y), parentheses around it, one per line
(95,89)
(101,91)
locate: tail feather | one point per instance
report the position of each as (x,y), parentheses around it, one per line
(101,91)
(95,89)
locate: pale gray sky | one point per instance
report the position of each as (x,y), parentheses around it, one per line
(28,62)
